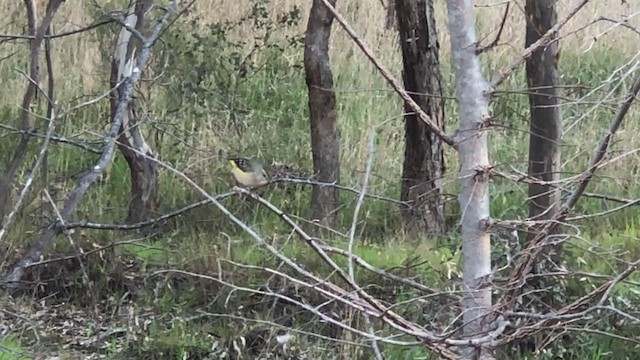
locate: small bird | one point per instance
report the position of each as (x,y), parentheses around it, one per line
(248,173)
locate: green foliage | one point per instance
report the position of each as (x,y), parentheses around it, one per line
(237,86)
(212,67)
(12,349)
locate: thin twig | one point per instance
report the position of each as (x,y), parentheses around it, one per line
(390,79)
(544,40)
(482,49)
(16,271)
(536,246)
(139,225)
(8,37)
(352,236)
(55,139)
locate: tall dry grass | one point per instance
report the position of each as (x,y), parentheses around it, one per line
(77,58)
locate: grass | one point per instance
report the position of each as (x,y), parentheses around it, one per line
(194,123)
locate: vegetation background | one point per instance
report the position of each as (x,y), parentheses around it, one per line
(227,79)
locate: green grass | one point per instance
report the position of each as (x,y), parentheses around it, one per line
(195,125)
(12,349)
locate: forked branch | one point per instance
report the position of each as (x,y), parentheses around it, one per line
(16,271)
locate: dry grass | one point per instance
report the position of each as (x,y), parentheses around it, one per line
(77,58)
(364,101)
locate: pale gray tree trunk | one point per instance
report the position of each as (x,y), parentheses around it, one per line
(546,119)
(131,142)
(323,115)
(473,99)
(424,154)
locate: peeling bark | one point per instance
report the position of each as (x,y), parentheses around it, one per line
(132,145)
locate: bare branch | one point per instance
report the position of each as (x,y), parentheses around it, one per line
(74,198)
(494,43)
(5,37)
(56,139)
(536,245)
(352,235)
(34,75)
(390,79)
(152,222)
(543,41)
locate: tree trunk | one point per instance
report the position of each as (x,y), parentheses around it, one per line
(472,91)
(138,154)
(323,117)
(423,156)
(544,134)
(546,122)
(38,32)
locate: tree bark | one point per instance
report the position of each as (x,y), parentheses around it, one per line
(546,119)
(323,116)
(545,134)
(423,157)
(131,143)
(472,91)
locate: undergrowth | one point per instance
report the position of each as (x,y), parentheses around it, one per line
(227,93)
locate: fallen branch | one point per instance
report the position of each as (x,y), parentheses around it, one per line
(16,271)
(525,264)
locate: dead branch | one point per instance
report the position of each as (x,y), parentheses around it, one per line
(494,43)
(86,254)
(34,77)
(56,139)
(17,270)
(364,302)
(352,236)
(572,312)
(536,245)
(390,79)
(139,225)
(365,265)
(9,37)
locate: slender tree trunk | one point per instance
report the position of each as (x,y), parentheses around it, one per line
(38,32)
(545,134)
(138,154)
(323,117)
(546,121)
(423,156)
(473,99)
